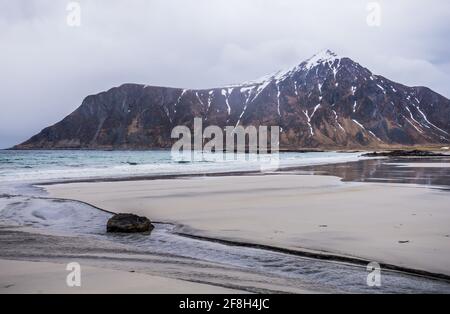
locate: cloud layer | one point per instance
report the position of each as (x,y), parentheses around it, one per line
(47,67)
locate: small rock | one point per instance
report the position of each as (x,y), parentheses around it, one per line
(403,153)
(128,223)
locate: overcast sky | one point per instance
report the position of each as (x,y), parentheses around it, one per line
(47,67)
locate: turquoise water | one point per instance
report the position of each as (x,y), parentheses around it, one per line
(47,165)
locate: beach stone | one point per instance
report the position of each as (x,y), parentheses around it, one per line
(128,223)
(405,153)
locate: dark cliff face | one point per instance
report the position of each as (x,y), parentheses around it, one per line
(324,102)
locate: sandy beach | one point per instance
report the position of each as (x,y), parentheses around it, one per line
(44,277)
(399,224)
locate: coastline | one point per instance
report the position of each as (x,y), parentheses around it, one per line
(333,175)
(235,233)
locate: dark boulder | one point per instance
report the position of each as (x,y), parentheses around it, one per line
(128,223)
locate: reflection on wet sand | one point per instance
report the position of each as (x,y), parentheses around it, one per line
(390,170)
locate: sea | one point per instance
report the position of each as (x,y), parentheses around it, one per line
(59,165)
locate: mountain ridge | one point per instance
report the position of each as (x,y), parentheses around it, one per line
(326,101)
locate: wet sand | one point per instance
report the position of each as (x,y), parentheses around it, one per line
(405,225)
(45,277)
(123,253)
(432,172)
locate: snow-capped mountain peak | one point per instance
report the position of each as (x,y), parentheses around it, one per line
(320,58)
(327,101)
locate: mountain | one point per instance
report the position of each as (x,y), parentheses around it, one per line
(326,101)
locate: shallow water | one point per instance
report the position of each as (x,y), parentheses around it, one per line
(411,170)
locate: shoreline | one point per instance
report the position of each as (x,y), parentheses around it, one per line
(124,256)
(307,253)
(185,229)
(327,256)
(148,177)
(209,234)
(125,167)
(308,169)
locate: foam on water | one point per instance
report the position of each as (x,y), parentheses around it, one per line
(39,166)
(55,216)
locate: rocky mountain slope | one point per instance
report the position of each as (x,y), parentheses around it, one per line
(325,102)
